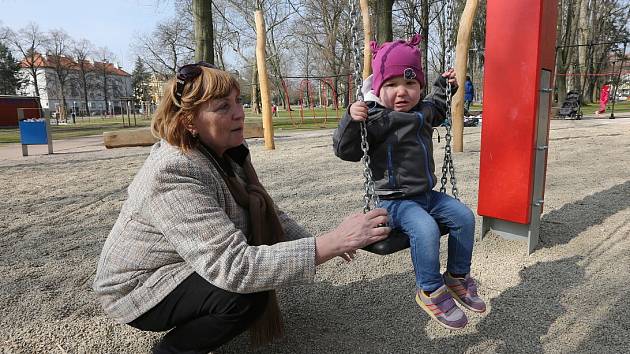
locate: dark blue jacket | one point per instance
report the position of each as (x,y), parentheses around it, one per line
(401,146)
(469,91)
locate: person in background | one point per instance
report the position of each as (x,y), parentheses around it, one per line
(469,93)
(604,95)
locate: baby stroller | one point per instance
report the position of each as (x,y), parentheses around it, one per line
(571,108)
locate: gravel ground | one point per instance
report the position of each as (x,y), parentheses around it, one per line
(569,296)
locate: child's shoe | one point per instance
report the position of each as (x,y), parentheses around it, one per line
(441,307)
(465,292)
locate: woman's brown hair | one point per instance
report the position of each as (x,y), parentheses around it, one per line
(171,117)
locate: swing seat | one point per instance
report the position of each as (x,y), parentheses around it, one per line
(396,241)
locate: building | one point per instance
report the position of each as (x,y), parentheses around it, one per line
(156,87)
(106,85)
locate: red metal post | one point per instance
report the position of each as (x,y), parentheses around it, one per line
(520,59)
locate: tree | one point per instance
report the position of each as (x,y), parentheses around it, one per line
(102,67)
(140,81)
(383,12)
(204,37)
(28,41)
(168,47)
(81,50)
(10,80)
(327,39)
(58,56)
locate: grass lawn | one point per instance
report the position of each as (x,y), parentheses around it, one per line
(84,127)
(97,125)
(294,120)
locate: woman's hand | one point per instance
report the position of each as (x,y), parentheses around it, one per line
(356,231)
(359,111)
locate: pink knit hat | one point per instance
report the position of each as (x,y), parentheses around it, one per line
(398,58)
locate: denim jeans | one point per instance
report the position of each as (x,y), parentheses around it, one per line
(418,217)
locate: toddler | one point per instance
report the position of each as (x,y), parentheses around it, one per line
(400,127)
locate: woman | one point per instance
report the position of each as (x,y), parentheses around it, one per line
(199,245)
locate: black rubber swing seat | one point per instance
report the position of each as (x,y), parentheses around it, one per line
(396,241)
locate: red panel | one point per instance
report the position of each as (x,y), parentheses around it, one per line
(9,106)
(511,76)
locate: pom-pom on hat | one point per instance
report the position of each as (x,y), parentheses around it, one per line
(398,58)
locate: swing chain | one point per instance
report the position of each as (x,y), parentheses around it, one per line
(448,167)
(370,198)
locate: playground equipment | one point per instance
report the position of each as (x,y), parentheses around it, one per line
(397,240)
(263,78)
(307,98)
(515,133)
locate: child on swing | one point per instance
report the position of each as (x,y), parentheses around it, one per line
(400,128)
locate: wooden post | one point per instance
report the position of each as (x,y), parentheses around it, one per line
(461,61)
(263,79)
(367,31)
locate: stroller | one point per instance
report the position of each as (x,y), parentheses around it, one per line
(571,108)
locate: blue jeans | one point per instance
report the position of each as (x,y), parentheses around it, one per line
(418,217)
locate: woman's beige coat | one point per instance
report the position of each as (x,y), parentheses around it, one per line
(180,218)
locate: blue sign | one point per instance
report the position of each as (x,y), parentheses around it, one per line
(33,132)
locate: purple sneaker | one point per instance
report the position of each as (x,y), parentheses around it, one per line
(465,292)
(441,307)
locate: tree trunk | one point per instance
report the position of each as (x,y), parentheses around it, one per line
(202,15)
(424,25)
(105,91)
(255,100)
(384,32)
(35,84)
(63,100)
(85,92)
(583,39)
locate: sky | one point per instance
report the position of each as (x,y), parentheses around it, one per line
(105,23)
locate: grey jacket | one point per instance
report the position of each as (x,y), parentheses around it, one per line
(180,218)
(401,146)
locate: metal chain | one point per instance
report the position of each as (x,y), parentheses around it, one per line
(370,198)
(448,167)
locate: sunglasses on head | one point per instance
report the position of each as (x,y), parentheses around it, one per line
(189,72)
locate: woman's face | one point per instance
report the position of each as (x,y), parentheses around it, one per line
(220,121)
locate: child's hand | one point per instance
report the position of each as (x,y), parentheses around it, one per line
(451,77)
(359,111)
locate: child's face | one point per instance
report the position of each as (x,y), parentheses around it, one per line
(400,94)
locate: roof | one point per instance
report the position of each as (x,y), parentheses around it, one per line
(50,61)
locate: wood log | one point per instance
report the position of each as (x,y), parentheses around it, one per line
(126,138)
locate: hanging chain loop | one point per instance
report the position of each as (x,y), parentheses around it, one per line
(448,168)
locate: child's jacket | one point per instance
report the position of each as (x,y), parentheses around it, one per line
(401,147)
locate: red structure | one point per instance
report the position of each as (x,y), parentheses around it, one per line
(9,109)
(520,58)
